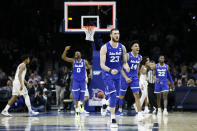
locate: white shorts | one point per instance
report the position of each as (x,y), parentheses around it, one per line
(143,83)
(86,92)
(16,89)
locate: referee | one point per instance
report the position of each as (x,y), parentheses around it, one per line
(151,87)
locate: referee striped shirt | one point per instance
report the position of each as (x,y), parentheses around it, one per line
(151,77)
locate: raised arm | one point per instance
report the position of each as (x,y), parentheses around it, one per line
(125,59)
(103,52)
(89,67)
(21,69)
(65,58)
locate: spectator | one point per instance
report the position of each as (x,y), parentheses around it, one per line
(184,74)
(32,78)
(38,102)
(60,88)
(31,90)
(8,88)
(37,76)
(179,83)
(191,83)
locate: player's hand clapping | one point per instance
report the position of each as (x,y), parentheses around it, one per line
(114,71)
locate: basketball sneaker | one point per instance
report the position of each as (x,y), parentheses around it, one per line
(119,113)
(113,124)
(5,113)
(159,113)
(165,112)
(140,117)
(33,113)
(154,111)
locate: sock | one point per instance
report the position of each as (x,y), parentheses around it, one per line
(165,109)
(120,109)
(6,108)
(27,102)
(159,109)
(113,116)
(146,107)
(139,113)
(77,109)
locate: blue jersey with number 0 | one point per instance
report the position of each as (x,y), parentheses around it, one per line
(114,59)
(79,70)
(161,72)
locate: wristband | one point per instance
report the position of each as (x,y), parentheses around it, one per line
(110,71)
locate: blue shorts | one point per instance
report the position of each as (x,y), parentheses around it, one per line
(79,89)
(161,87)
(111,85)
(134,85)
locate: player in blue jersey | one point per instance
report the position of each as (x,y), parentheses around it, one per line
(131,79)
(162,73)
(79,76)
(112,60)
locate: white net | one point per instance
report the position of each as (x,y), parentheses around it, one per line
(89,31)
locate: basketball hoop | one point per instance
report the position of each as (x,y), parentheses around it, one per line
(89,31)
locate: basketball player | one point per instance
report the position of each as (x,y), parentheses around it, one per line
(131,78)
(144,83)
(79,76)
(112,59)
(19,87)
(162,73)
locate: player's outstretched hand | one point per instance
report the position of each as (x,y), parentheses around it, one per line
(67,48)
(114,72)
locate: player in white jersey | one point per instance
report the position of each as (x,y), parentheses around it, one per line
(144,83)
(19,87)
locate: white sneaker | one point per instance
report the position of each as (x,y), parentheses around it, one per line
(86,112)
(5,113)
(33,113)
(140,117)
(154,111)
(146,111)
(159,113)
(165,112)
(114,124)
(103,112)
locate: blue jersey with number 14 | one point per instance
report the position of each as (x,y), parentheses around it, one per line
(79,70)
(133,63)
(114,59)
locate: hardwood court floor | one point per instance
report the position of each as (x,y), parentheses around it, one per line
(51,121)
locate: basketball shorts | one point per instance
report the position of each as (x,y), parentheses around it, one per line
(112,85)
(16,89)
(134,85)
(161,86)
(79,89)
